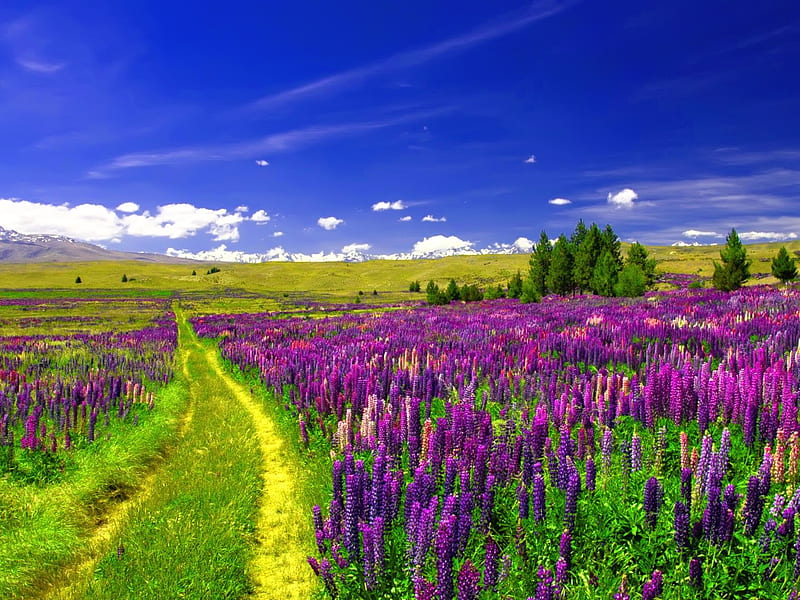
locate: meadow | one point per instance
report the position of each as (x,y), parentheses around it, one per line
(267,431)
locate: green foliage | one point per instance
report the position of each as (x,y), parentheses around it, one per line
(697,284)
(414,286)
(529,292)
(540,264)
(605,275)
(212,270)
(631,282)
(735,267)
(783,266)
(559,277)
(610,242)
(515,286)
(637,255)
(78,279)
(124,278)
(452,292)
(586,256)
(471,293)
(495,292)
(194,273)
(433,295)
(374,292)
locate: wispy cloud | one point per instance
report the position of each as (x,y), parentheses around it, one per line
(507,24)
(26,41)
(286,141)
(559,201)
(262,163)
(432,219)
(405,219)
(695,233)
(396,205)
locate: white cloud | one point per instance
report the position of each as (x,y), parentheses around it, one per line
(262,163)
(396,205)
(355,248)
(559,201)
(530,160)
(260,216)
(177,221)
(439,244)
(128,207)
(277,234)
(242,208)
(90,222)
(405,219)
(694,233)
(432,219)
(767,235)
(329,223)
(623,198)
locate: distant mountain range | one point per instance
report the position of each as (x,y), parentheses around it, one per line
(22,248)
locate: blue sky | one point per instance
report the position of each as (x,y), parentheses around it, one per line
(314,127)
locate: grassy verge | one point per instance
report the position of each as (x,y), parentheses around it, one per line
(43,527)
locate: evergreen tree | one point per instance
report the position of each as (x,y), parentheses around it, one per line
(124,278)
(586,256)
(605,275)
(735,267)
(493,293)
(452,292)
(529,292)
(631,282)
(783,266)
(578,235)
(471,293)
(194,272)
(515,286)
(610,242)
(414,287)
(540,264)
(637,255)
(559,276)
(431,292)
(78,279)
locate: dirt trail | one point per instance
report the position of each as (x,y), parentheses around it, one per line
(279,568)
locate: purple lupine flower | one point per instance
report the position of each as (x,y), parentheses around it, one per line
(562,570)
(796,572)
(327,577)
(753,506)
(654,587)
(539,505)
(730,499)
(423,589)
(786,529)
(468,579)
(696,572)
(605,449)
(571,502)
(368,566)
(681,524)
(524,501)
(686,487)
(565,548)
(314,564)
(544,588)
(591,474)
(319,529)
(445,553)
(636,453)
(491,564)
(622,590)
(351,517)
(653,496)
(712,516)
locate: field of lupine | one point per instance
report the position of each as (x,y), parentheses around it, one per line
(577,448)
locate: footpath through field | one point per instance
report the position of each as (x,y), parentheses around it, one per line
(218,519)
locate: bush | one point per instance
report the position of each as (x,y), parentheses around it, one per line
(632,281)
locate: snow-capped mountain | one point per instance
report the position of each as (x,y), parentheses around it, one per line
(18,247)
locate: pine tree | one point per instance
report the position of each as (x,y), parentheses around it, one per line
(637,255)
(78,279)
(515,286)
(606,274)
(540,264)
(529,292)
(586,256)
(493,293)
(784,267)
(452,292)
(610,242)
(559,277)
(431,293)
(631,282)
(735,267)
(124,278)
(578,235)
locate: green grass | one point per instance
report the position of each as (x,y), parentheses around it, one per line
(43,527)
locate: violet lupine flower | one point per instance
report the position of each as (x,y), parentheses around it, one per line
(696,572)
(681,524)
(605,449)
(445,553)
(327,577)
(468,579)
(423,589)
(368,565)
(654,588)
(562,571)
(653,496)
(730,499)
(544,589)
(314,564)
(524,501)
(29,440)
(491,564)
(786,529)
(686,487)
(591,474)
(351,517)
(319,529)
(571,502)
(565,548)
(636,453)
(712,516)
(753,506)
(539,504)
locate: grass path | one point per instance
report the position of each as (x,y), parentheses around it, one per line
(279,568)
(219,518)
